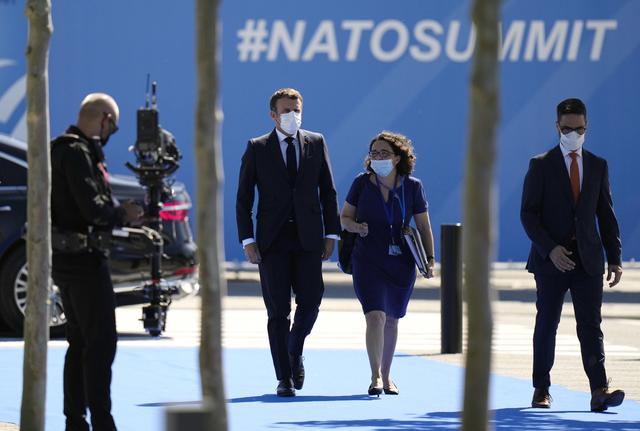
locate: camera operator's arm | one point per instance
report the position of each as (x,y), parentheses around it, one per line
(95,204)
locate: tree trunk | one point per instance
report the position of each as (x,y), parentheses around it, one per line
(36,328)
(479,232)
(210,179)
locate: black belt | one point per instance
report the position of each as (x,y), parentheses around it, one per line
(79,242)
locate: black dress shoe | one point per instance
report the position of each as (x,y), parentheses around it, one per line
(541,398)
(285,388)
(297,370)
(603,398)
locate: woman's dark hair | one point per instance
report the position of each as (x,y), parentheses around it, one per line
(401,146)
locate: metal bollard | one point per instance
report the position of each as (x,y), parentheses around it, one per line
(451,288)
(187,418)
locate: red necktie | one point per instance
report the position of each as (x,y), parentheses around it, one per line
(574,175)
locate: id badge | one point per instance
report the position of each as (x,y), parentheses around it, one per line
(394,250)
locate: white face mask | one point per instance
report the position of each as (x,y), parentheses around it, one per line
(382,167)
(572,141)
(291,122)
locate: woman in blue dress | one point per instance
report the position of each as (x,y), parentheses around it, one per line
(379,203)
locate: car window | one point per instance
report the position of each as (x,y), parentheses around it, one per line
(11,173)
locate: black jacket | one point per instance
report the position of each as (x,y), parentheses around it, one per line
(80,194)
(551,218)
(313,196)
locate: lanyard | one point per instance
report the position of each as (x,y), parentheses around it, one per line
(389,211)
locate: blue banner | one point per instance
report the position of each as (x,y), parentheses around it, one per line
(362,67)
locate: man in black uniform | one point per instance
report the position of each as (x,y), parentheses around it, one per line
(83,213)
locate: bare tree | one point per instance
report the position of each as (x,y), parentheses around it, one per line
(479,214)
(209,214)
(36,329)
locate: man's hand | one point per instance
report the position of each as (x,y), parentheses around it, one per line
(560,258)
(616,270)
(328,248)
(133,212)
(252,253)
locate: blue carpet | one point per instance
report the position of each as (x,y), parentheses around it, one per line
(146,380)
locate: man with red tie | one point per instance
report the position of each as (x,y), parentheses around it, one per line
(567,212)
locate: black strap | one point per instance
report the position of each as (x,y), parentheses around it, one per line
(348,239)
(361,181)
(68,138)
(79,242)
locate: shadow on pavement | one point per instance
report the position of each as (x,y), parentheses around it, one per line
(267,398)
(172,404)
(270,398)
(522,419)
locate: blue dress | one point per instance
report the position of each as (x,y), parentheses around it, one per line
(383,281)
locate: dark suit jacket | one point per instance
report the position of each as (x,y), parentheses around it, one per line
(313,196)
(551,218)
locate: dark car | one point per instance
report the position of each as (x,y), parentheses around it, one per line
(129,260)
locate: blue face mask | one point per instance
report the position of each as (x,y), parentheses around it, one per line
(382,168)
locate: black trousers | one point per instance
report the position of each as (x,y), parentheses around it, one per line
(89,304)
(586,295)
(284,268)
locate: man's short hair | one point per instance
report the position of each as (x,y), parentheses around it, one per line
(290,93)
(571,106)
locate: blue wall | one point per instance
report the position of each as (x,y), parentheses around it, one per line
(362,67)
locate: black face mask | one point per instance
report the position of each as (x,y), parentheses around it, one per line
(103,141)
(96,148)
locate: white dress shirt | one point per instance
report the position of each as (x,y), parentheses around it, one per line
(567,161)
(283,150)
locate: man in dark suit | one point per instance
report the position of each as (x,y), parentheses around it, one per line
(297,224)
(568,214)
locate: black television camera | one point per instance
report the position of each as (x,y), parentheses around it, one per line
(155,149)
(157,157)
